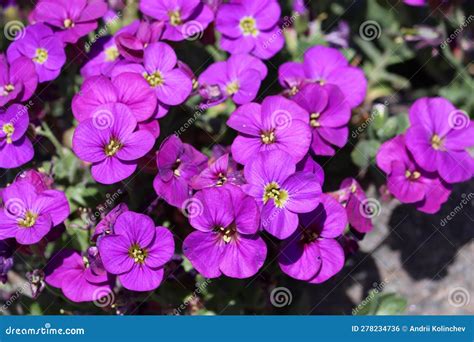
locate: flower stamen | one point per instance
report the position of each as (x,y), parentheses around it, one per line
(155,79)
(273,190)
(29,220)
(137,253)
(8,129)
(268,137)
(248,26)
(113,147)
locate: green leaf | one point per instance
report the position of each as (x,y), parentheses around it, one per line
(391,304)
(364,152)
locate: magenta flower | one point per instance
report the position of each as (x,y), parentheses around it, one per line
(407,181)
(18,79)
(281,192)
(221,172)
(169,83)
(238,78)
(312,253)
(72,19)
(438,138)
(328,118)
(127,88)
(226,241)
(184,19)
(106,225)
(177,164)
(308,164)
(249,26)
(40,180)
(353,198)
(133,39)
(78,276)
(109,141)
(15,147)
(276,124)
(325,65)
(104,56)
(43,47)
(137,251)
(28,215)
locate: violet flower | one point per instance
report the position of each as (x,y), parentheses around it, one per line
(325,65)
(137,251)
(15,147)
(71,19)
(226,241)
(72,273)
(109,141)
(249,26)
(184,19)
(6,259)
(43,47)
(177,164)
(28,215)
(18,79)
(280,192)
(104,56)
(409,182)
(221,172)
(133,39)
(312,253)
(439,137)
(106,225)
(276,124)
(329,116)
(238,78)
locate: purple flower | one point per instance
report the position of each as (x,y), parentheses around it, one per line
(72,19)
(276,124)
(127,88)
(438,138)
(75,275)
(238,78)
(226,241)
(308,164)
(41,181)
(18,79)
(104,56)
(329,115)
(43,47)
(184,19)
(133,39)
(312,253)
(177,164)
(409,182)
(281,192)
(15,147)
(28,215)
(353,198)
(325,65)
(169,83)
(221,172)
(6,259)
(249,26)
(106,225)
(137,251)
(109,141)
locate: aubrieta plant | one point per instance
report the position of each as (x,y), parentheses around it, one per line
(146,147)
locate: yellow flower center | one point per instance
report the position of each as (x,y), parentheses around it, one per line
(221,179)
(137,253)
(294,90)
(29,220)
(111,54)
(68,23)
(7,89)
(248,25)
(412,175)
(268,137)
(226,233)
(112,147)
(154,80)
(437,142)
(175,18)
(175,168)
(232,87)
(321,82)
(41,56)
(273,190)
(314,122)
(8,129)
